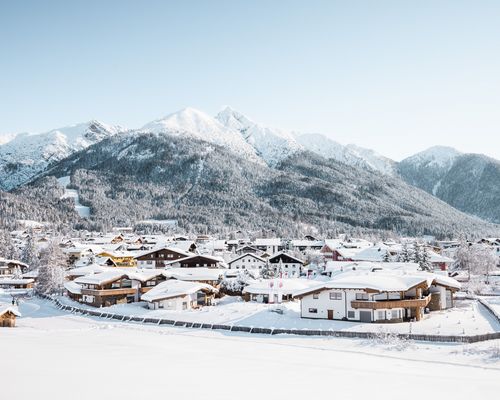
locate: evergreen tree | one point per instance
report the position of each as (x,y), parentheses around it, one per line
(267,272)
(387,257)
(424,261)
(51,272)
(405,255)
(416,256)
(30,253)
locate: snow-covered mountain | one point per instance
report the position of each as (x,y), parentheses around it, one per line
(197,124)
(440,157)
(6,137)
(349,154)
(468,182)
(26,155)
(273,145)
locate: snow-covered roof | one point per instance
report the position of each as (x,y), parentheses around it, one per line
(282,253)
(5,308)
(285,286)
(10,261)
(102,278)
(87,270)
(268,242)
(383,281)
(14,281)
(168,248)
(245,255)
(194,274)
(174,288)
(73,287)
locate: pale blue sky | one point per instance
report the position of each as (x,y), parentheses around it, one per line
(396,76)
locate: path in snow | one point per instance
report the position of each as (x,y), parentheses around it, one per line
(55,355)
(82,210)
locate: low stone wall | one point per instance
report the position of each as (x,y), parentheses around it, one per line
(279,331)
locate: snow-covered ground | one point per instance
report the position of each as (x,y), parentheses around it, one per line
(55,355)
(467,318)
(82,210)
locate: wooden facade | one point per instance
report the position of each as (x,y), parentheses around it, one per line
(158,258)
(8,319)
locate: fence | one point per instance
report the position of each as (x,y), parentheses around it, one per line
(279,331)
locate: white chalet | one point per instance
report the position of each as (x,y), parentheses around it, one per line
(380,296)
(285,265)
(247,261)
(178,295)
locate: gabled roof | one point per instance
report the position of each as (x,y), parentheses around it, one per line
(268,242)
(4,309)
(172,249)
(103,277)
(174,288)
(194,274)
(245,255)
(282,253)
(284,286)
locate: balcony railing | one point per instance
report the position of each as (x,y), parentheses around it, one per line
(109,292)
(381,304)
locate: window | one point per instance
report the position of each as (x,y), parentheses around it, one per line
(380,314)
(184,305)
(351,314)
(335,296)
(313,310)
(394,314)
(149,262)
(316,296)
(361,296)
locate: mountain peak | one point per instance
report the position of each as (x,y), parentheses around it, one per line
(439,156)
(197,124)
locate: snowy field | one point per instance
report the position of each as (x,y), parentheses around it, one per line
(55,355)
(467,318)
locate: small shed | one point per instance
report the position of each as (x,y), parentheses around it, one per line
(8,316)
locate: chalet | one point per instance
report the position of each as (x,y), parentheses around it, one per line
(16,283)
(120,258)
(269,245)
(197,261)
(210,276)
(115,286)
(286,265)
(303,245)
(247,261)
(246,249)
(8,316)
(329,246)
(178,295)
(73,273)
(156,258)
(275,291)
(379,296)
(12,267)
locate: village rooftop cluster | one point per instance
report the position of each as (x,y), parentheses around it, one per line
(348,279)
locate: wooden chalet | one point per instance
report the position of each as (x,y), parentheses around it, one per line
(11,267)
(157,258)
(199,261)
(8,316)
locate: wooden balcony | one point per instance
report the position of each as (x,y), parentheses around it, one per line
(109,292)
(381,304)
